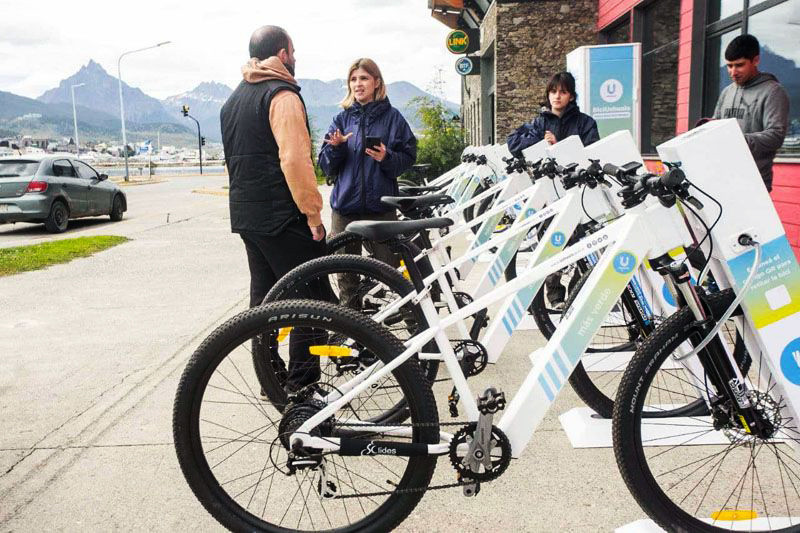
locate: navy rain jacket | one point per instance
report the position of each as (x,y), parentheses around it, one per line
(361,180)
(571,122)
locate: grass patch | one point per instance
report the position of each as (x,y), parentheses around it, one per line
(38,256)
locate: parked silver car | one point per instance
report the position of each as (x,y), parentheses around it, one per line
(55,188)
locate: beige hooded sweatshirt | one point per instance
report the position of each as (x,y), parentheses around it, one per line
(287,120)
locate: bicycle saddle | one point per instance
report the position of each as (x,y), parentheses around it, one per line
(409,203)
(379,231)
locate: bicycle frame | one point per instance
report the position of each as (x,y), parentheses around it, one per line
(626,244)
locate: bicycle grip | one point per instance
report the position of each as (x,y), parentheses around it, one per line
(611,169)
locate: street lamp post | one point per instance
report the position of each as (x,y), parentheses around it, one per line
(75,119)
(122,106)
(185,111)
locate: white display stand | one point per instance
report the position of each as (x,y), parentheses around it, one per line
(585,429)
(646,525)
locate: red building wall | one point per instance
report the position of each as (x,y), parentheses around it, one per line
(786,181)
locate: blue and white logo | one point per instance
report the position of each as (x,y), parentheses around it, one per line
(790,361)
(558,239)
(624,262)
(611,90)
(464,66)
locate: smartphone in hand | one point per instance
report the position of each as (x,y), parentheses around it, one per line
(372,142)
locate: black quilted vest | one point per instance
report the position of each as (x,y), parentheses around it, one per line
(260,200)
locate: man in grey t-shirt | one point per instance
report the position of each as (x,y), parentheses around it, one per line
(757,101)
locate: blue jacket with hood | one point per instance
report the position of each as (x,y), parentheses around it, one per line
(360,180)
(571,122)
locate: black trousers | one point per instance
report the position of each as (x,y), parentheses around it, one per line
(270,258)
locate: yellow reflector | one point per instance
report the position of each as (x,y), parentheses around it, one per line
(404,270)
(329,351)
(734,514)
(500,227)
(283,333)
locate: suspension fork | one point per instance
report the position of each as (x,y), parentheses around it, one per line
(718,362)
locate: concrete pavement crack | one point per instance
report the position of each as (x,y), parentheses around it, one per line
(170,361)
(75,416)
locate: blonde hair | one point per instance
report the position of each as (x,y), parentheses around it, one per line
(372,69)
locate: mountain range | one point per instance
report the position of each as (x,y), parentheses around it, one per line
(97,107)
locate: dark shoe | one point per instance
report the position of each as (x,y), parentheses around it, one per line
(305,392)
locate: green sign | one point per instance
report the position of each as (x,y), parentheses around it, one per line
(458,41)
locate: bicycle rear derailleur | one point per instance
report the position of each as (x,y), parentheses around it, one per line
(479,451)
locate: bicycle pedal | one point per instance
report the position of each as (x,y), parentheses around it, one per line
(491,401)
(471,490)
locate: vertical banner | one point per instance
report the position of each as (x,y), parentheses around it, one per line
(607,79)
(612,89)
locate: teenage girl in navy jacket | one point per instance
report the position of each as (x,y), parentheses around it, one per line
(558,119)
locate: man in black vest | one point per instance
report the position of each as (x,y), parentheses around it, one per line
(274,202)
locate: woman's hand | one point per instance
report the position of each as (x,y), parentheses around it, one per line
(549,137)
(336,138)
(378,154)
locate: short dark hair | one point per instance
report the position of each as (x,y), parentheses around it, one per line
(562,80)
(267,41)
(742,47)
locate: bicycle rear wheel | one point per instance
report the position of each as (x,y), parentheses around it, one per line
(233,447)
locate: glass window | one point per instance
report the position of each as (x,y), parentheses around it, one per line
(620,32)
(63,168)
(721,9)
(14,168)
(716,72)
(660,72)
(778,31)
(85,171)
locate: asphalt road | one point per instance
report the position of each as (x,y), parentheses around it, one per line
(90,355)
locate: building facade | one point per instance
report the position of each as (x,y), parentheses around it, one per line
(522,43)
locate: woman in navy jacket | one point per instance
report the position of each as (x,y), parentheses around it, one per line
(363,174)
(559,118)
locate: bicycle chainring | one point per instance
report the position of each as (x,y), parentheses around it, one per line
(501,454)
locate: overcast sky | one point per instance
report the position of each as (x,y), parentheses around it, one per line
(46,41)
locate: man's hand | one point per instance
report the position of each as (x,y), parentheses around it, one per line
(336,138)
(378,154)
(317,232)
(549,137)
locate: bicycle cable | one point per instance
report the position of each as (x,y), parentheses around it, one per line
(583,206)
(704,272)
(728,312)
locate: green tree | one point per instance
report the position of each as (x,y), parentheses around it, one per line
(442,139)
(316,137)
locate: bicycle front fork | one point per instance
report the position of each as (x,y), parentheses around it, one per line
(733,403)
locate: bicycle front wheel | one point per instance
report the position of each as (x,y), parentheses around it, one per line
(704,473)
(233,447)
